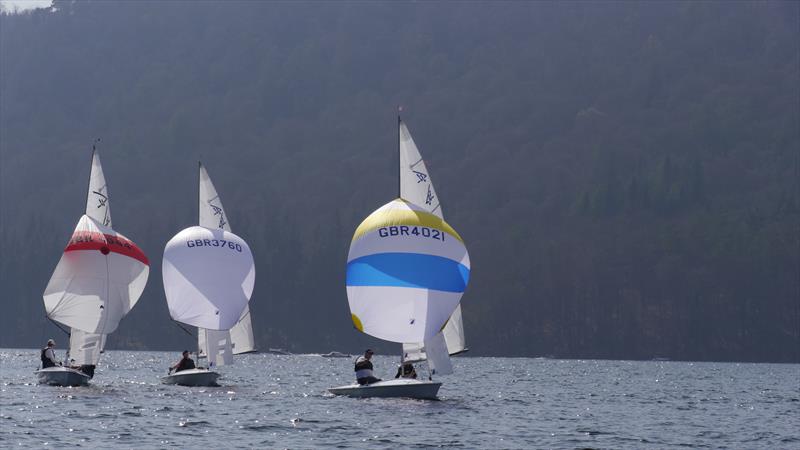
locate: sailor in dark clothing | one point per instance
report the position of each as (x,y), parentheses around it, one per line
(48,355)
(185,363)
(88,369)
(364,369)
(406,371)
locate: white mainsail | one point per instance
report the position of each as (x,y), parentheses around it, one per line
(416,186)
(101,273)
(85,348)
(242,338)
(209,276)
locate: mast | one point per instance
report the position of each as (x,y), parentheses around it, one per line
(399,169)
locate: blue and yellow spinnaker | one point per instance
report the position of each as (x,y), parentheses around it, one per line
(406,272)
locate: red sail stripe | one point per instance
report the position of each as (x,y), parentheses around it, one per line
(105,243)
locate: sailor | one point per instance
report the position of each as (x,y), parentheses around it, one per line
(48,355)
(185,363)
(363,369)
(406,371)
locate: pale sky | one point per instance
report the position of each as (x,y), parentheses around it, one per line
(16,6)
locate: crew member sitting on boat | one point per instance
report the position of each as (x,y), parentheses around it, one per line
(185,363)
(48,355)
(364,369)
(406,371)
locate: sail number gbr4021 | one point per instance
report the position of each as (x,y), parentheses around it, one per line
(406,230)
(214,243)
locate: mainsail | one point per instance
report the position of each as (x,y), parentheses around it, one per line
(406,272)
(85,348)
(416,186)
(101,273)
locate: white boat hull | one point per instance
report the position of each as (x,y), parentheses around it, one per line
(62,376)
(401,387)
(192,377)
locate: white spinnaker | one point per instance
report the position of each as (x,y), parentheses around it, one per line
(242,338)
(215,345)
(208,275)
(85,348)
(98,279)
(97,205)
(416,186)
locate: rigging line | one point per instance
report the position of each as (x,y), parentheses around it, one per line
(184,329)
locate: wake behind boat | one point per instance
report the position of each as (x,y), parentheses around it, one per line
(400,387)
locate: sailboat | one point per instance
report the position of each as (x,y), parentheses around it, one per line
(209,275)
(416,186)
(406,272)
(97,281)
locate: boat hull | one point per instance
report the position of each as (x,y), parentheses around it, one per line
(402,387)
(62,376)
(192,377)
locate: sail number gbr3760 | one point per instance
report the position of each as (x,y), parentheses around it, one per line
(413,230)
(214,243)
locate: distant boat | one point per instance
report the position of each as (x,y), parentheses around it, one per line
(208,275)
(416,186)
(98,280)
(406,272)
(336,355)
(278,351)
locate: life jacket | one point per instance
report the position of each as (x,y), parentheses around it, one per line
(46,362)
(185,364)
(363,368)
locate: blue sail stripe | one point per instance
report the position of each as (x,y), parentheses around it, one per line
(408,270)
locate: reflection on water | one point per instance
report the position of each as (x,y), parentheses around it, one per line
(275,400)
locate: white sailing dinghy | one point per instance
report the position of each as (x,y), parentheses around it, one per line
(416,186)
(97,281)
(406,272)
(209,275)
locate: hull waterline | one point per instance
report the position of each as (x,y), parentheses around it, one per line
(62,376)
(402,388)
(192,377)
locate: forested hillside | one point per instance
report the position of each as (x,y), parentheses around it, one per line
(625,175)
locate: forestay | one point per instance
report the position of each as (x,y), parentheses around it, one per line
(406,272)
(101,273)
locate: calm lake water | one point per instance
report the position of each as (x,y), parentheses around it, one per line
(281,401)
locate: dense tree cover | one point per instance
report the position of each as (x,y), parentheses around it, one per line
(625,174)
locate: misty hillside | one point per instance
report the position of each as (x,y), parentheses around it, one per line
(625,175)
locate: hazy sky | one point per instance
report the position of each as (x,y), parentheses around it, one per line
(16,6)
